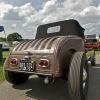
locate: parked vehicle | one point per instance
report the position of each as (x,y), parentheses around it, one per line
(5,46)
(57,51)
(92,43)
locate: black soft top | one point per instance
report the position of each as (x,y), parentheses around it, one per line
(61,28)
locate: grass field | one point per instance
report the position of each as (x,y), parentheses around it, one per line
(96,52)
(5,55)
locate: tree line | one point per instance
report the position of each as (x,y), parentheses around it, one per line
(13,37)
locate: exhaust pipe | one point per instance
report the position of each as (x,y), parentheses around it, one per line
(46,80)
(49,80)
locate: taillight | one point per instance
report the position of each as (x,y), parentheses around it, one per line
(43,63)
(13,61)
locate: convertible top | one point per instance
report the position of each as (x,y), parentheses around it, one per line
(61,28)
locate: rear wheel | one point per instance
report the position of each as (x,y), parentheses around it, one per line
(78,76)
(92,58)
(15,78)
(99,48)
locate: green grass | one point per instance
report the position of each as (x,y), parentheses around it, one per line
(96,52)
(5,55)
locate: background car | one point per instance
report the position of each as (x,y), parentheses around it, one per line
(92,44)
(5,46)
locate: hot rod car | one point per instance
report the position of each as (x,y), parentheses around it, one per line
(57,51)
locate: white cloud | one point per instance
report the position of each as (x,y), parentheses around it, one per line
(4,8)
(12,14)
(18,13)
(29,17)
(13,26)
(52,11)
(90,12)
(92,28)
(26,10)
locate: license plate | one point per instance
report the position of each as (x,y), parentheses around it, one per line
(26,65)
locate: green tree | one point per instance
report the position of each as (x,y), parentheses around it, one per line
(2,39)
(14,37)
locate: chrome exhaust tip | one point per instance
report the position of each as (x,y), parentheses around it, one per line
(46,80)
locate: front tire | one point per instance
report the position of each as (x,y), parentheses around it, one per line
(78,76)
(15,78)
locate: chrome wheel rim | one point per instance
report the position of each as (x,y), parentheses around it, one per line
(84,78)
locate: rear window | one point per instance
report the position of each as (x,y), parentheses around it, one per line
(53,29)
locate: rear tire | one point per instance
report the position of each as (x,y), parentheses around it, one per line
(92,58)
(15,78)
(78,76)
(99,48)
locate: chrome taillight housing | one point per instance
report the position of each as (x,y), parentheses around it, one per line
(14,61)
(43,63)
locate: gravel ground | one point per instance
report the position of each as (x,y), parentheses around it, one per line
(35,89)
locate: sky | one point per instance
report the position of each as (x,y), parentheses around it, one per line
(24,16)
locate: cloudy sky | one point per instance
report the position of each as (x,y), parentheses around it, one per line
(24,16)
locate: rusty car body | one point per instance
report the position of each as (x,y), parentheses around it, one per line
(57,51)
